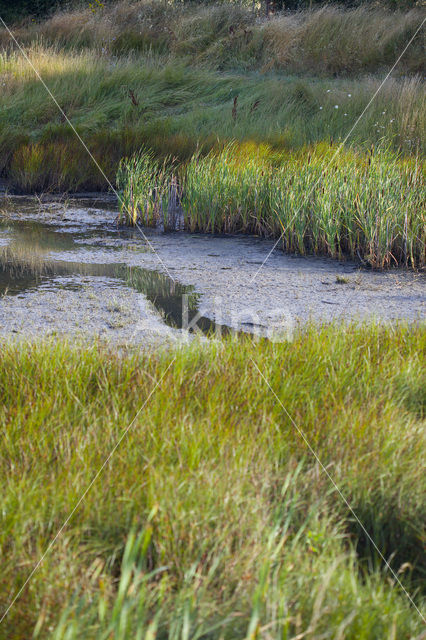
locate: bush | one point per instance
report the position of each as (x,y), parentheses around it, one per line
(19,9)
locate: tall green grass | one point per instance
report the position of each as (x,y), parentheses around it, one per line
(366,206)
(212,519)
(145,186)
(180,109)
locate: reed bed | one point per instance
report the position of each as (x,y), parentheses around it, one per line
(364,206)
(212,520)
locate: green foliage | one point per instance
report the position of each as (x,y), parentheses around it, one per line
(144,186)
(293,5)
(19,9)
(176,111)
(212,519)
(362,206)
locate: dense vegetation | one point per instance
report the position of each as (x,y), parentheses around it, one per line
(185,79)
(226,35)
(178,110)
(179,78)
(33,9)
(318,201)
(212,519)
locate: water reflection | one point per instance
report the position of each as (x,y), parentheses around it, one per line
(25,265)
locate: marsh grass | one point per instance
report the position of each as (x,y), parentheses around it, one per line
(327,40)
(181,109)
(363,206)
(212,520)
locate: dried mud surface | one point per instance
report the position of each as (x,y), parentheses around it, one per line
(234,284)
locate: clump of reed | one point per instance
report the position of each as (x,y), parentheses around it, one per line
(148,191)
(367,207)
(227,192)
(363,206)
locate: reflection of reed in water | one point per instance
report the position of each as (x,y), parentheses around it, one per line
(155,283)
(166,295)
(178,303)
(23,269)
(20,269)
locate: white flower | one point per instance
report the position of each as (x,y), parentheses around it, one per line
(320,108)
(328,90)
(336,106)
(349,95)
(345,114)
(383,113)
(393,119)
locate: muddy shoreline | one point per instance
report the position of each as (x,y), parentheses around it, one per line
(225,274)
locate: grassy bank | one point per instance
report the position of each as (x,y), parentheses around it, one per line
(230,35)
(182,78)
(237,533)
(178,110)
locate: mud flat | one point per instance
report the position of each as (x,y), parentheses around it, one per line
(237,288)
(67,269)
